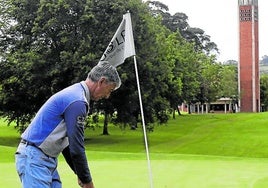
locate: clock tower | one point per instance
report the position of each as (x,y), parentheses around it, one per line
(248,64)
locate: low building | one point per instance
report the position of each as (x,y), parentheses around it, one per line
(222,105)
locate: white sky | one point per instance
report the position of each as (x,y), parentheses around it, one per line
(219,20)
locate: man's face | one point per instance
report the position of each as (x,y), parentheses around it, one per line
(103,90)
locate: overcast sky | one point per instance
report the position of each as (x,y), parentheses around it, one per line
(219,20)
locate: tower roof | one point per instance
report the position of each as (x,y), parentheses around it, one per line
(248,2)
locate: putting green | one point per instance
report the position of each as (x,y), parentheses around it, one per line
(177,171)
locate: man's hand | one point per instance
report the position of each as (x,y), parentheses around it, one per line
(86,185)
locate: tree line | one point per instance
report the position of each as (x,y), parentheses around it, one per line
(47,45)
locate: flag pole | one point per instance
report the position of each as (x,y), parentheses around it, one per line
(120,48)
(143,125)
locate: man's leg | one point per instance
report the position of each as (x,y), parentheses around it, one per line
(34,167)
(56,183)
(20,160)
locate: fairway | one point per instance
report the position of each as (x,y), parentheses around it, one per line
(197,151)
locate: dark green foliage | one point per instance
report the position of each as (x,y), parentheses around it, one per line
(52,44)
(264,92)
(46,49)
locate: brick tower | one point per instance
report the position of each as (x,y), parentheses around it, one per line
(249,81)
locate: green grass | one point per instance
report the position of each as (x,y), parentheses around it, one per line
(218,134)
(204,151)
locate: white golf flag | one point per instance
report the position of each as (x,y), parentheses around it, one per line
(122,43)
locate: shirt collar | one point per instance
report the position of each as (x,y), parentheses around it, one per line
(87,93)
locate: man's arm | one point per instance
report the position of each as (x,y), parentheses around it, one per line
(68,159)
(74,117)
(88,185)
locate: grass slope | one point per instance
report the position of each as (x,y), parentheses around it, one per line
(237,135)
(204,151)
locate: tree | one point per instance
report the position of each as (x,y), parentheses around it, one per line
(48,48)
(125,101)
(171,48)
(154,72)
(5,20)
(189,65)
(229,81)
(231,62)
(179,23)
(211,79)
(53,44)
(264,92)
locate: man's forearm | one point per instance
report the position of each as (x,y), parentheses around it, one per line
(68,159)
(81,168)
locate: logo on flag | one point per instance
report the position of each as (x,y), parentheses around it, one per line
(122,43)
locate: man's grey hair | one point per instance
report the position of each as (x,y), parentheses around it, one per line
(105,70)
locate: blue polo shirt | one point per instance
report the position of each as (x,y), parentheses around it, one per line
(59,127)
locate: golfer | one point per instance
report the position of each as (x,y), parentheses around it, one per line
(59,127)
